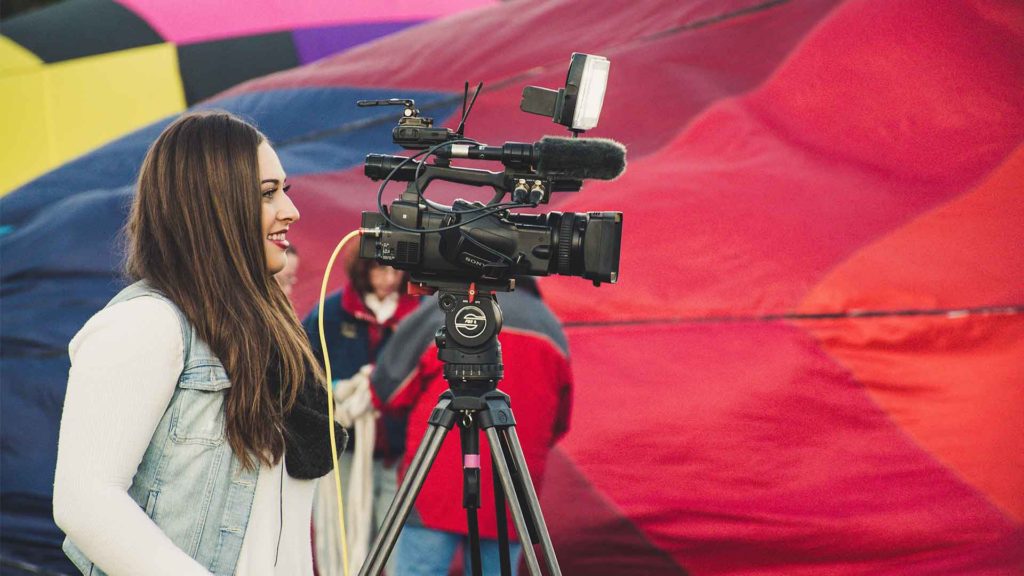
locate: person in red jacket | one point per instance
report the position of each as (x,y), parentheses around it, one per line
(408,379)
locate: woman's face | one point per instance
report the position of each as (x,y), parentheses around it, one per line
(384,281)
(278,210)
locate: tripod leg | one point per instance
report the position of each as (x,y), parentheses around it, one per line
(499,509)
(471,491)
(384,543)
(518,518)
(532,502)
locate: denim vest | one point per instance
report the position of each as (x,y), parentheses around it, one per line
(189,481)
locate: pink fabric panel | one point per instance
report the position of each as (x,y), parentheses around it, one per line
(199,21)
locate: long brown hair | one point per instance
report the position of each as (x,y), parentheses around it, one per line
(195,235)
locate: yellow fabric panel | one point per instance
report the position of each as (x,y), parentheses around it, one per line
(96,99)
(25,148)
(53,113)
(14,57)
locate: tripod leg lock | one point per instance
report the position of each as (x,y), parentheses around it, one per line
(498,412)
(443,414)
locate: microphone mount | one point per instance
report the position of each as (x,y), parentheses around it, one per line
(525,187)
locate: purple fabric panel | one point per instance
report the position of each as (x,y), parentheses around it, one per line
(315,43)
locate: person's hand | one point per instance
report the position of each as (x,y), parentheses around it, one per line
(352,397)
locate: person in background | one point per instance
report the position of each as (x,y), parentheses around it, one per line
(194,420)
(289,275)
(358,321)
(408,380)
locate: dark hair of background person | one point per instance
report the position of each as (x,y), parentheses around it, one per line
(195,234)
(358,270)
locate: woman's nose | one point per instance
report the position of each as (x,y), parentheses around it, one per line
(288,212)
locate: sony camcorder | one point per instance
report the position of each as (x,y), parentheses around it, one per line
(487,243)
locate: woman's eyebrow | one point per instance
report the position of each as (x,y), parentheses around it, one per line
(271,180)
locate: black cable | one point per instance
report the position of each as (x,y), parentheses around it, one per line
(387,180)
(280,515)
(419,193)
(450,210)
(430,152)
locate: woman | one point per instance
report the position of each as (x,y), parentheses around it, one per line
(194,423)
(358,321)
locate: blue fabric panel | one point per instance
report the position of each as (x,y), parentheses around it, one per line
(108,167)
(74,235)
(58,271)
(322,122)
(31,403)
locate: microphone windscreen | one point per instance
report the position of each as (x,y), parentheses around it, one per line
(598,158)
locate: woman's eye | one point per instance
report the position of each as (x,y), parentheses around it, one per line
(286,188)
(268,193)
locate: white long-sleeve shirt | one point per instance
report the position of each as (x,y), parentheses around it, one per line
(125,365)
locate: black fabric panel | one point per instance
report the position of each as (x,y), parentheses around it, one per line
(77,28)
(211,67)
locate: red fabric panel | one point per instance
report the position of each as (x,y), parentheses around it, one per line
(856,135)
(967,253)
(741,448)
(954,384)
(905,91)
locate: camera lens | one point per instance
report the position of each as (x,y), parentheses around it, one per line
(568,244)
(588,245)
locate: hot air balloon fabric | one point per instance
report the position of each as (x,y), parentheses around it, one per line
(813,361)
(80,73)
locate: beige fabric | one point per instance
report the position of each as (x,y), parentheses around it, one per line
(384,308)
(353,408)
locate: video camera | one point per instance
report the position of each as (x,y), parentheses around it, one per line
(487,244)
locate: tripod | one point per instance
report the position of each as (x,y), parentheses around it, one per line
(468,346)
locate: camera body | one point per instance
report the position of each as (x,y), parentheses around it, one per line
(488,244)
(495,248)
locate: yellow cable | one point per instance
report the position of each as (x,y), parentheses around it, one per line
(330,397)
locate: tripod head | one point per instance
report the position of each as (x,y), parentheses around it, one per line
(467,343)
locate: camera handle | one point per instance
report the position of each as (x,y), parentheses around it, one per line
(469,347)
